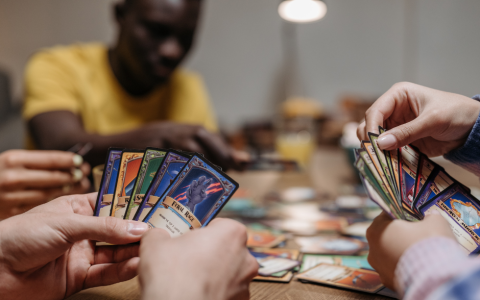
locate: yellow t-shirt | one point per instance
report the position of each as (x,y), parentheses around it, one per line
(79,79)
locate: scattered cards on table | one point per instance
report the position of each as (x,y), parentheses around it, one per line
(168,189)
(407,185)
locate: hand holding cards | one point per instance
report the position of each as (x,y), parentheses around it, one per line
(167,189)
(407,185)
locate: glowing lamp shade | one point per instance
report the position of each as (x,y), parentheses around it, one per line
(302,11)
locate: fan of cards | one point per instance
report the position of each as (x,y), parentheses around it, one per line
(407,185)
(168,189)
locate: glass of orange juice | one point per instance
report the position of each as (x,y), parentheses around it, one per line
(295,139)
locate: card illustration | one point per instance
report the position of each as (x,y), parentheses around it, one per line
(462,210)
(129,166)
(171,166)
(148,169)
(193,199)
(107,185)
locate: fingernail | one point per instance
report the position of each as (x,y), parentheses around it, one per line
(386,141)
(77,175)
(77,160)
(137,228)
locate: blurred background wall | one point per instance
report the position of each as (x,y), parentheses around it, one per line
(361,46)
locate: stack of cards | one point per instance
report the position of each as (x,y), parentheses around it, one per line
(168,189)
(407,185)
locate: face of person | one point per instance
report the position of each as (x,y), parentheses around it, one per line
(155,36)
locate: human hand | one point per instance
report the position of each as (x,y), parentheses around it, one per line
(208,263)
(49,252)
(434,121)
(31,178)
(190,138)
(389,239)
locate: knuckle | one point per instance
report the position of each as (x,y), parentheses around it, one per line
(111,226)
(406,131)
(403,85)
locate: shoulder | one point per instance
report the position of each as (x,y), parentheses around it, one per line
(66,56)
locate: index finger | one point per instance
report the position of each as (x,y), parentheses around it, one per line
(382,109)
(39,159)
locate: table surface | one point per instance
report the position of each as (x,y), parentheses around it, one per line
(330,170)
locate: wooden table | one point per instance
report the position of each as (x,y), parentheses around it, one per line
(328,173)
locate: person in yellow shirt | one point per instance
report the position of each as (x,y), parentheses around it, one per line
(131,95)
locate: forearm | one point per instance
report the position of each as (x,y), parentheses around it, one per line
(429,266)
(468,156)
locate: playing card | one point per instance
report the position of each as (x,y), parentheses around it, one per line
(107,186)
(148,169)
(271,265)
(373,187)
(425,169)
(264,238)
(438,181)
(367,145)
(343,277)
(170,167)
(462,211)
(382,159)
(330,245)
(193,199)
(282,276)
(311,260)
(129,165)
(408,166)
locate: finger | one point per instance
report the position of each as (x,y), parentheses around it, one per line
(36,159)
(361,133)
(107,274)
(115,254)
(383,108)
(378,226)
(105,229)
(16,179)
(405,134)
(27,197)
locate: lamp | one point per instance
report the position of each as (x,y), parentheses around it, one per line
(302,11)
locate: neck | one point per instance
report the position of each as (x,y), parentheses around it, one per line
(130,83)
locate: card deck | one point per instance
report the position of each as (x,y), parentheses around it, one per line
(170,167)
(107,185)
(129,165)
(343,277)
(193,199)
(423,186)
(148,169)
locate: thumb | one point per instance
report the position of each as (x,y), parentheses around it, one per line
(404,134)
(104,229)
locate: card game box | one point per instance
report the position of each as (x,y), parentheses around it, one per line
(168,189)
(407,185)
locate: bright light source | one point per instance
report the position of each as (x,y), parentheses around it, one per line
(302,11)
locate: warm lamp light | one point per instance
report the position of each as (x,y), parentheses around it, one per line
(302,11)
